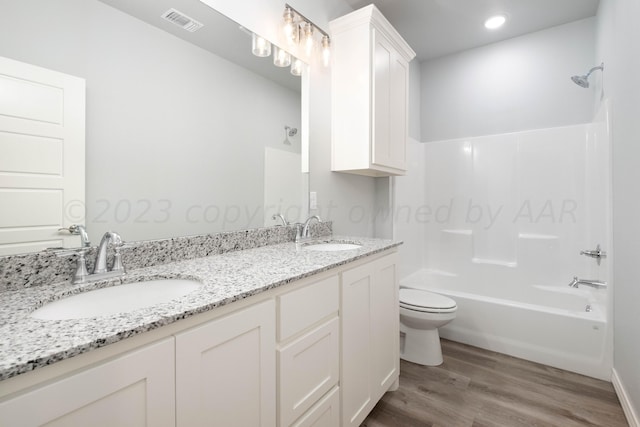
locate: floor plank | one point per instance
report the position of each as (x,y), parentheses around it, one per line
(481,388)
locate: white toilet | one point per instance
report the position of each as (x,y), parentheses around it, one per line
(421,314)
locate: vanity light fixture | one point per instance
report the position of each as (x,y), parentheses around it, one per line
(495,22)
(260,46)
(290,28)
(298,29)
(281,58)
(326,51)
(296,67)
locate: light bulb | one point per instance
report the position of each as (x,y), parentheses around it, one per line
(259,46)
(326,51)
(289,28)
(296,67)
(495,22)
(308,38)
(281,58)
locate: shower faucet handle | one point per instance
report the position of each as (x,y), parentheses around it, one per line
(597,253)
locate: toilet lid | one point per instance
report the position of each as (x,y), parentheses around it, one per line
(417,299)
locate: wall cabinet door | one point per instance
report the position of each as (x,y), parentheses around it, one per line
(369,319)
(370,75)
(135,389)
(226,371)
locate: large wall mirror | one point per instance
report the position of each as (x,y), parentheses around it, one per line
(186,132)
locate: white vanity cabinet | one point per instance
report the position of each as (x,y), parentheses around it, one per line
(370,80)
(225,370)
(133,389)
(320,351)
(369,317)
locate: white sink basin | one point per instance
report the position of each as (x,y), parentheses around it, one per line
(331,247)
(116,299)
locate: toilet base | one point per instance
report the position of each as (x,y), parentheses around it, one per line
(421,346)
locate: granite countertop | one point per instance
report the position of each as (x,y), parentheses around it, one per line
(27,343)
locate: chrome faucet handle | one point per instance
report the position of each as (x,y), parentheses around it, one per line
(598,254)
(117,259)
(78,230)
(81,273)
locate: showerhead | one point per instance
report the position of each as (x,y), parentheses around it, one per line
(583,81)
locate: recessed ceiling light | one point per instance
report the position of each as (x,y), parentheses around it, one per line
(495,22)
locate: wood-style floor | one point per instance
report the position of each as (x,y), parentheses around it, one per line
(480,388)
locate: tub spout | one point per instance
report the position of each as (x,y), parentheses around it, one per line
(576,282)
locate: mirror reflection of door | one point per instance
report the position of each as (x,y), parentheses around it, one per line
(41,157)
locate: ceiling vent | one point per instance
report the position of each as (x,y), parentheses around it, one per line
(182,20)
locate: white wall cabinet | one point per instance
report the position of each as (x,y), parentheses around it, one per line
(225,370)
(135,389)
(370,351)
(370,79)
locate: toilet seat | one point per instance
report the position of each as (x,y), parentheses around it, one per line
(424,301)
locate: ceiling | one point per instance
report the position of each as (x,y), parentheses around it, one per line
(433,28)
(436,28)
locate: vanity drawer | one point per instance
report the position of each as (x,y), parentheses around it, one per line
(302,308)
(308,368)
(325,413)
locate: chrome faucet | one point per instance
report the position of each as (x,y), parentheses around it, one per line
(593,283)
(100,270)
(282,218)
(305,227)
(101,256)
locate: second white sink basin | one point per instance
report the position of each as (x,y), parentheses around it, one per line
(331,247)
(116,299)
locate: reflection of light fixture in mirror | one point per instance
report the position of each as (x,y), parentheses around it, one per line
(259,46)
(326,50)
(290,28)
(296,67)
(281,57)
(289,131)
(298,29)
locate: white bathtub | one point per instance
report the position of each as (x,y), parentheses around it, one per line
(544,324)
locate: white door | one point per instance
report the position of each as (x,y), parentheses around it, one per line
(226,371)
(42,131)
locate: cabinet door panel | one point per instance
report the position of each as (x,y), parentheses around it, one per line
(357,286)
(225,370)
(382,143)
(398,112)
(135,389)
(385,326)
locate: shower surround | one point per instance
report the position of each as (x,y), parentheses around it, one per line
(508,217)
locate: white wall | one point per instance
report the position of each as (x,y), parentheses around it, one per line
(619,48)
(518,84)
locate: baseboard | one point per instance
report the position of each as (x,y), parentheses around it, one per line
(627,407)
